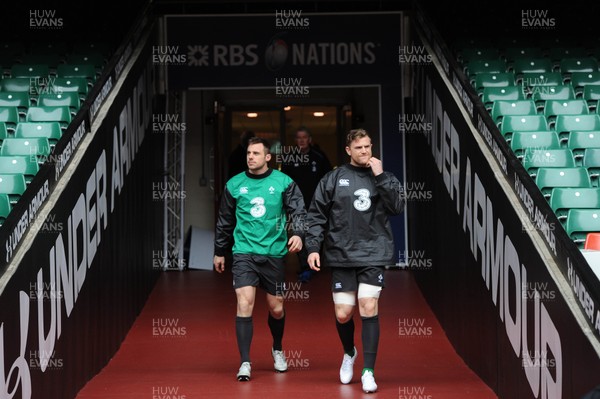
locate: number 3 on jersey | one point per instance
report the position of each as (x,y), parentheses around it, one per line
(363,202)
(258,209)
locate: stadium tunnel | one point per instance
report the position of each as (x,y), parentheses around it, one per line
(140,104)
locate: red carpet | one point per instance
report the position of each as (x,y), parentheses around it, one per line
(183,346)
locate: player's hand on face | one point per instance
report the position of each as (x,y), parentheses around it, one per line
(294,244)
(376,166)
(219,262)
(314,261)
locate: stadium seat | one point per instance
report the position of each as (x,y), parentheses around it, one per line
(523,123)
(61,114)
(484,66)
(13,185)
(533,159)
(10,116)
(17,99)
(581,79)
(5,207)
(564,198)
(578,142)
(84,71)
(502,108)
(29,71)
(532,65)
(540,140)
(591,161)
(553,108)
(69,99)
(16,85)
(23,164)
(541,94)
(578,64)
(548,178)
(71,85)
(509,93)
(534,79)
(580,222)
(50,130)
(592,241)
(3,131)
(569,123)
(591,94)
(38,147)
(484,80)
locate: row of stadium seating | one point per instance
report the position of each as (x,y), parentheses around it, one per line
(511,52)
(42,87)
(545,104)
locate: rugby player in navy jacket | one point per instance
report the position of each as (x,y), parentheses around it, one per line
(348,223)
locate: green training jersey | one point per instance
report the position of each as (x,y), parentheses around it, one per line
(260,212)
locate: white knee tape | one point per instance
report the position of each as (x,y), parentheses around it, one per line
(368,291)
(344,298)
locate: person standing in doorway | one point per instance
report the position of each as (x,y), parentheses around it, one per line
(306,166)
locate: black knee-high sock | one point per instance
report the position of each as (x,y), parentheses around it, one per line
(370,340)
(346,333)
(276,326)
(244,330)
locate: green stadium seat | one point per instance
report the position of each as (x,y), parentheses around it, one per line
(591,94)
(509,93)
(578,64)
(35,146)
(23,164)
(534,79)
(3,131)
(502,108)
(591,161)
(553,108)
(523,123)
(29,71)
(19,99)
(484,66)
(50,130)
(10,116)
(521,141)
(533,159)
(569,123)
(70,100)
(484,80)
(5,208)
(71,85)
(16,85)
(564,198)
(61,114)
(532,65)
(548,178)
(580,222)
(84,71)
(581,79)
(578,142)
(541,94)
(13,185)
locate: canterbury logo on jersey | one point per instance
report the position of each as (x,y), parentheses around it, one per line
(243,190)
(344,182)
